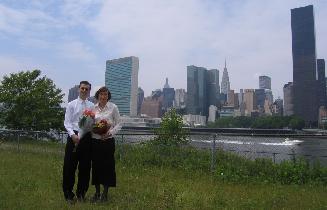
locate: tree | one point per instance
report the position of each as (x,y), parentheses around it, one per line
(30,102)
(296,123)
(171,132)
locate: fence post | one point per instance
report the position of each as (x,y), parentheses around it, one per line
(122,147)
(18,146)
(274,157)
(213,152)
(62,138)
(293,156)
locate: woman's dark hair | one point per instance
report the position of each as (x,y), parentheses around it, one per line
(101,90)
(85,83)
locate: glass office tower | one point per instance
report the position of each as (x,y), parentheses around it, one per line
(264,82)
(121,78)
(197,102)
(304,64)
(202,90)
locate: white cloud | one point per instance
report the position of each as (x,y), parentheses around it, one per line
(75,50)
(77,36)
(254,36)
(8,65)
(11,20)
(25,21)
(76,12)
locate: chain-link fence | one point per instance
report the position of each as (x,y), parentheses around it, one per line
(277,147)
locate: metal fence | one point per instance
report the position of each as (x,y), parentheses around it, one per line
(251,147)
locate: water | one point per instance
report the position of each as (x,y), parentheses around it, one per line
(275,148)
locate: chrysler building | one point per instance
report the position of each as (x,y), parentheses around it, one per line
(225,85)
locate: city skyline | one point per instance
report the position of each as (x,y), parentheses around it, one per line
(77,37)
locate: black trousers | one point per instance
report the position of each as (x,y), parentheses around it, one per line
(81,158)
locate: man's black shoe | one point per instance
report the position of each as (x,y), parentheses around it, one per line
(71,201)
(69,195)
(104,198)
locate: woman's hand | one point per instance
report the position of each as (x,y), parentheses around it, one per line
(107,135)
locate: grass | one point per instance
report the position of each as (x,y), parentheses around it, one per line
(31,179)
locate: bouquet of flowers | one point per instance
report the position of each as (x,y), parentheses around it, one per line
(101,127)
(85,124)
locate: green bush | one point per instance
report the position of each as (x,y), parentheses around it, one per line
(171,132)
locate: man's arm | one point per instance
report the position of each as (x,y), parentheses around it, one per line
(67,122)
(68,125)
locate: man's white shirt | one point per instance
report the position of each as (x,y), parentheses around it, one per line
(73,113)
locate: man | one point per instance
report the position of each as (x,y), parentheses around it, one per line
(81,155)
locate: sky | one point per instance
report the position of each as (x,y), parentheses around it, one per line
(70,40)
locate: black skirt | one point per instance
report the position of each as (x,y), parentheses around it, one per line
(103,162)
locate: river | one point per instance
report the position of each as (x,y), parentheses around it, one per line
(275,148)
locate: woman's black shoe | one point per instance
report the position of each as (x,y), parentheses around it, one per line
(104,198)
(95,198)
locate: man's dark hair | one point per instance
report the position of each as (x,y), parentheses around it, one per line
(84,83)
(101,90)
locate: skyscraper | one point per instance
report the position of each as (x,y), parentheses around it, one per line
(213,87)
(73,93)
(278,107)
(250,101)
(152,106)
(168,96)
(288,99)
(140,98)
(264,82)
(180,98)
(231,98)
(304,64)
(241,102)
(121,78)
(197,102)
(202,90)
(225,85)
(322,97)
(260,96)
(236,102)
(269,96)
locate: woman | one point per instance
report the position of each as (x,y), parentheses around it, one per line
(103,145)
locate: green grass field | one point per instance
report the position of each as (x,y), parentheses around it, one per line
(30,178)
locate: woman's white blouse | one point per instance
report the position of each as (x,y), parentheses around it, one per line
(111,114)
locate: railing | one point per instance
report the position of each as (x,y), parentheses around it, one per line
(210,141)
